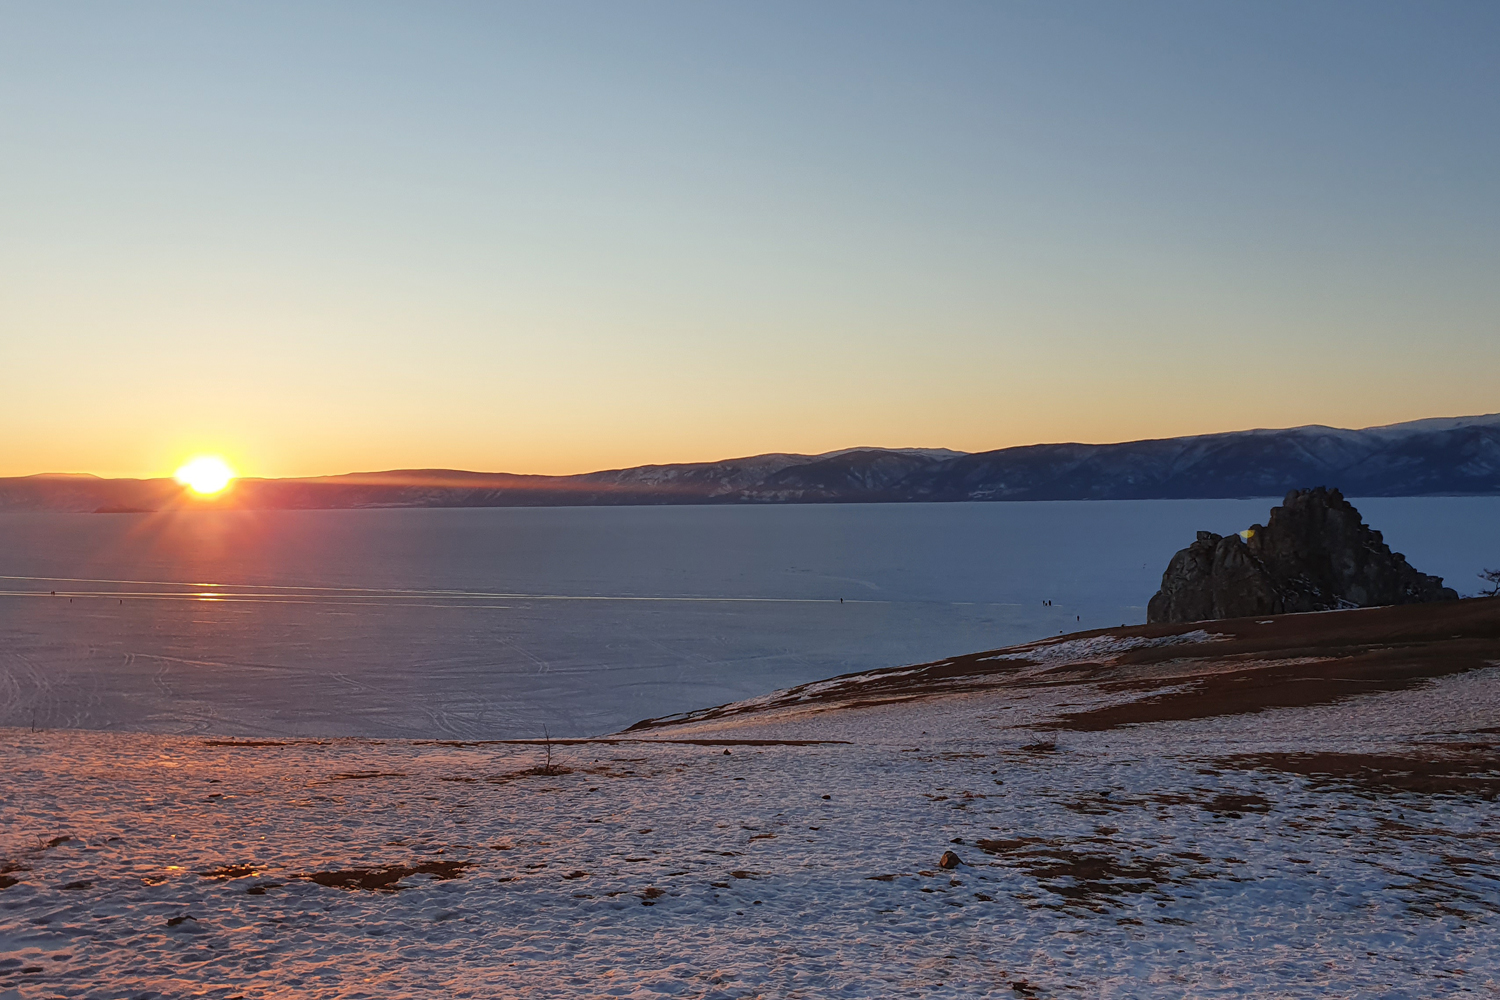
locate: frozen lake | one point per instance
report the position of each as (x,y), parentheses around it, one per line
(495,623)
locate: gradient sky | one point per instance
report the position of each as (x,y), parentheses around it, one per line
(326,237)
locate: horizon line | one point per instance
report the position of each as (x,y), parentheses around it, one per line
(954,452)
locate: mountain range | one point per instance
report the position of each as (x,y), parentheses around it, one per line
(1439,456)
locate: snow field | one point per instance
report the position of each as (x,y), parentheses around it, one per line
(1153,861)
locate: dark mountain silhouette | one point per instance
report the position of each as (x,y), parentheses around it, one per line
(1449,455)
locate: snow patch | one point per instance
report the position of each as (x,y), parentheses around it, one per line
(1102,647)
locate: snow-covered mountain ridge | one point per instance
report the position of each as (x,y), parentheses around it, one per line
(1437,456)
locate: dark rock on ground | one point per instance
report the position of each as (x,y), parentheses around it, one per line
(949,860)
(1315,554)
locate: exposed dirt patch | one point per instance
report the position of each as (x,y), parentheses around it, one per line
(1222,804)
(1099,805)
(363,775)
(1295,661)
(556,771)
(8,868)
(867,688)
(1003,846)
(1088,877)
(1231,804)
(230,872)
(1264,684)
(387,878)
(1463,770)
(618,741)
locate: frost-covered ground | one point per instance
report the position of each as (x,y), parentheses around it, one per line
(1346,849)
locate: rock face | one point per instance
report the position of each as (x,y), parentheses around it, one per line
(1316,554)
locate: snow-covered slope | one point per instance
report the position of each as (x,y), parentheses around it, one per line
(1113,833)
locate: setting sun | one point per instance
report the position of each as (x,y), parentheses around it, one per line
(205,475)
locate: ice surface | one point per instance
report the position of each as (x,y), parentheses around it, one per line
(500,622)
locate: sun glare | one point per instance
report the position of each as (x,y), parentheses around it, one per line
(206,475)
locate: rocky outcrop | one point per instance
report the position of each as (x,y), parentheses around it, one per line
(1315,554)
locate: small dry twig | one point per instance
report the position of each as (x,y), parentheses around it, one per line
(1491,576)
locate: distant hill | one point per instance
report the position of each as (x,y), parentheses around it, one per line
(1449,455)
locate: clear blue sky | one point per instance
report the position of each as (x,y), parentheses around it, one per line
(320,237)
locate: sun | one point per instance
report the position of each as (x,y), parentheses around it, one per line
(205,475)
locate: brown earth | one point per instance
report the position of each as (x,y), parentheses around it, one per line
(387,878)
(1241,665)
(1309,659)
(1463,770)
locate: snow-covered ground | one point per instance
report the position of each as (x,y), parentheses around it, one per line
(1334,850)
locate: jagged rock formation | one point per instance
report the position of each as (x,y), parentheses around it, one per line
(1316,554)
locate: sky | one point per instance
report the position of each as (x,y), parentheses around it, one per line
(328,237)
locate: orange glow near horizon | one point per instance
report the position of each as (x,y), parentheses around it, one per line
(322,246)
(205,475)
